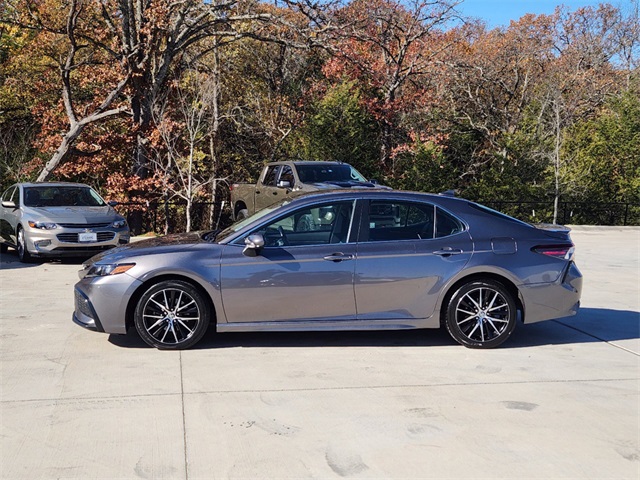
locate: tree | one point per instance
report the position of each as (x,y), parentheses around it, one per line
(606,152)
(144,41)
(338,127)
(391,49)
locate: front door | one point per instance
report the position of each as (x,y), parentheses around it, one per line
(304,273)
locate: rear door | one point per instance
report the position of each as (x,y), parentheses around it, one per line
(406,253)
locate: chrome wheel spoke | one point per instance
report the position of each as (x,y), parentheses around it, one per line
(192,302)
(179,320)
(476,304)
(482,314)
(161,316)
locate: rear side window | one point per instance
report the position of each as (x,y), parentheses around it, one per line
(391,220)
(447,224)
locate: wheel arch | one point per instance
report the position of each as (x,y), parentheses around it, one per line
(143,287)
(508,284)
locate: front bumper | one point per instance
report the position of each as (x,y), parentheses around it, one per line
(101,302)
(60,242)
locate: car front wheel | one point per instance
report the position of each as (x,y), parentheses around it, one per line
(172,315)
(481,314)
(23,254)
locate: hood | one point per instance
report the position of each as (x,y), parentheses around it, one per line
(70,214)
(166,244)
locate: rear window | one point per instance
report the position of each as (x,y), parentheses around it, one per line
(495,213)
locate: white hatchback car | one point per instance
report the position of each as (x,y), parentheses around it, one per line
(58,219)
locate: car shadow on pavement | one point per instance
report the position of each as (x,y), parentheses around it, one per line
(589,326)
(10,260)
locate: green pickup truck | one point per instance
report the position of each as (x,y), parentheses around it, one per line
(280,180)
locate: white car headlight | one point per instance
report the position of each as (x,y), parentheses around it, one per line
(43,225)
(119,223)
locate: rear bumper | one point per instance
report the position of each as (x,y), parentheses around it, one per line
(553,300)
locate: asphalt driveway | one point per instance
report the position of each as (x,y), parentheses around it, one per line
(561,399)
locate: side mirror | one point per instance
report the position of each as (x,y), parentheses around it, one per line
(112,203)
(375,182)
(284,184)
(253,245)
(8,204)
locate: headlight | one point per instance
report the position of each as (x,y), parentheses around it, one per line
(42,225)
(104,269)
(119,223)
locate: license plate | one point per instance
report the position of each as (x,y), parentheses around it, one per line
(88,237)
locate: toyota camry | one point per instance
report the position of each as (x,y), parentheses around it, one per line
(340,260)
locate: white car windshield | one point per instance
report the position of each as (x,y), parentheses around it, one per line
(61,196)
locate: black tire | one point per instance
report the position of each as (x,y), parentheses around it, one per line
(481,314)
(23,254)
(172,315)
(242,214)
(4,248)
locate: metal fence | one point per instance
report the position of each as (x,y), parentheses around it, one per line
(572,213)
(170,217)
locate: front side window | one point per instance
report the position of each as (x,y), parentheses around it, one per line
(318,225)
(286,175)
(270,176)
(10,194)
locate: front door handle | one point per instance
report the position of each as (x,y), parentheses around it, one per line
(445,252)
(338,257)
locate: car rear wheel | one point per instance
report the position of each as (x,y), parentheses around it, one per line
(23,254)
(172,315)
(481,314)
(242,214)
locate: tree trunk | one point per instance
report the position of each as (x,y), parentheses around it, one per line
(67,141)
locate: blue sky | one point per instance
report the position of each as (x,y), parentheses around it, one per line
(500,12)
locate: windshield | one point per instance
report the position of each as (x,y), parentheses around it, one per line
(328,173)
(62,196)
(246,221)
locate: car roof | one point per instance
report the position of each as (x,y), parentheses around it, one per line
(52,184)
(373,193)
(308,162)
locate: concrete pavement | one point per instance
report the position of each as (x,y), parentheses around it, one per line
(561,399)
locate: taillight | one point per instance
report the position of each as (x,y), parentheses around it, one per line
(565,252)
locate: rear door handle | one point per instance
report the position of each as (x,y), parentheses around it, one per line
(338,257)
(445,252)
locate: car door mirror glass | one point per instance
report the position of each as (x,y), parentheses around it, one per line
(253,245)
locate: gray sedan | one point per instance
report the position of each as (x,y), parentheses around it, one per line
(365,260)
(58,219)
